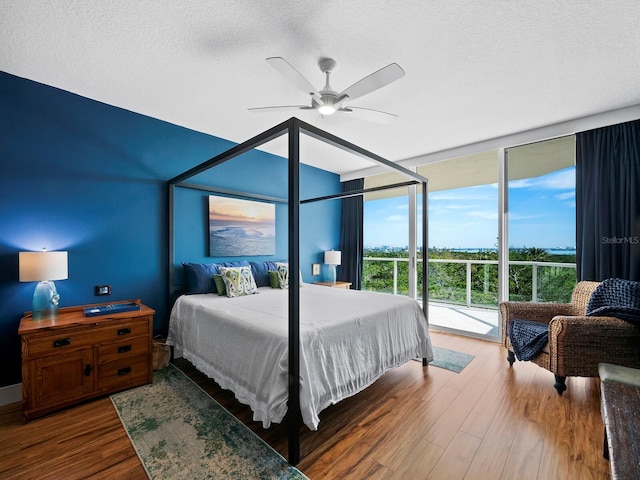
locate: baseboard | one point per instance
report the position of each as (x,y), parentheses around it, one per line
(10,394)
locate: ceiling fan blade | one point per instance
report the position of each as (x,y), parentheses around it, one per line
(280,107)
(294,76)
(376,80)
(377,116)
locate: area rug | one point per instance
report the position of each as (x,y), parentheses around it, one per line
(449,359)
(180,432)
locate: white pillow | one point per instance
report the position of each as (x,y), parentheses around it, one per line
(282,268)
(239,281)
(283,274)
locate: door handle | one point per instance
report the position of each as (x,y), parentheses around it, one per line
(87,370)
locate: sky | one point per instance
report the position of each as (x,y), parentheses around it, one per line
(541,214)
(230,209)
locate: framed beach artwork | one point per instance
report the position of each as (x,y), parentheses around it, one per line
(241,228)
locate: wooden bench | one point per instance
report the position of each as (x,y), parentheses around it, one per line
(620,391)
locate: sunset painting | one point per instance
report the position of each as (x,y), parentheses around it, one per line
(241,227)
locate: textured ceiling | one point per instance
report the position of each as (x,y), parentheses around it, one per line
(475,70)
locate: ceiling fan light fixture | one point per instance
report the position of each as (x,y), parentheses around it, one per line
(328,101)
(327,109)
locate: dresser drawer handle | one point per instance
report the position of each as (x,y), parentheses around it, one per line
(61,342)
(124,348)
(124,331)
(124,371)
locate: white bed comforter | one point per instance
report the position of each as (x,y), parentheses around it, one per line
(348,339)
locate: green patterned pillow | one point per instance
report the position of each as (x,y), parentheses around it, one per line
(273,279)
(283,274)
(239,281)
(220,286)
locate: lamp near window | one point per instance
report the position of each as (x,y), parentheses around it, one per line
(44,267)
(332,258)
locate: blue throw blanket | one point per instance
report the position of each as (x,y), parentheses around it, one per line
(528,338)
(616,297)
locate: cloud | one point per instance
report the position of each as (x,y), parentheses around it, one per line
(486,214)
(524,183)
(560,180)
(566,195)
(452,206)
(516,216)
(564,180)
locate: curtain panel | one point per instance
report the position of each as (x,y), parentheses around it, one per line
(352,235)
(608,202)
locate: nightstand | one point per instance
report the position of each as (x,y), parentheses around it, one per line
(74,358)
(344,285)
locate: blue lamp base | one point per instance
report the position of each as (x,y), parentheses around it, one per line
(331,274)
(45,301)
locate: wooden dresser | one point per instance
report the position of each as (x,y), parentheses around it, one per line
(74,358)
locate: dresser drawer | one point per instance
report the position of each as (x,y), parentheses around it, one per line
(55,342)
(117,330)
(123,373)
(130,347)
(49,341)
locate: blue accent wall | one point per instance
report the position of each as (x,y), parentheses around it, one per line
(89,178)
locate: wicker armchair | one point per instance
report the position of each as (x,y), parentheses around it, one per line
(577,343)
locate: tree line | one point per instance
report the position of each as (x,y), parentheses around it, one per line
(447,281)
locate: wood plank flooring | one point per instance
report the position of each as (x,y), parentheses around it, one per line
(487,422)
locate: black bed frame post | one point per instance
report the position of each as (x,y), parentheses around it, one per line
(293,407)
(425,251)
(171,240)
(425,256)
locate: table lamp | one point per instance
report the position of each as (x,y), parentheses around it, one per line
(44,267)
(332,258)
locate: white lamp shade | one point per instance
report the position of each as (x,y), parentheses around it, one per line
(39,266)
(333,257)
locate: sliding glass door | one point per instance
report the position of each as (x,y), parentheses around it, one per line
(542,220)
(463,230)
(387,244)
(472,265)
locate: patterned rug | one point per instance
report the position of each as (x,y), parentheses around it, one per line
(180,432)
(449,359)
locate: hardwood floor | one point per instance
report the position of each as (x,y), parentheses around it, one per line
(487,422)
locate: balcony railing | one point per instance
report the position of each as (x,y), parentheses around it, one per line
(528,280)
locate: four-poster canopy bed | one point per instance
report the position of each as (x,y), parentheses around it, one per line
(410,322)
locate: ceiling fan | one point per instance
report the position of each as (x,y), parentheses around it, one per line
(328,101)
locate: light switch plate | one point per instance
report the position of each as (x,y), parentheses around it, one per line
(103,290)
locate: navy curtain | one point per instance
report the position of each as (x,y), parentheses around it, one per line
(352,235)
(608,202)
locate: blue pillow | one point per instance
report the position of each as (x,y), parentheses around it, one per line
(239,263)
(260,271)
(199,277)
